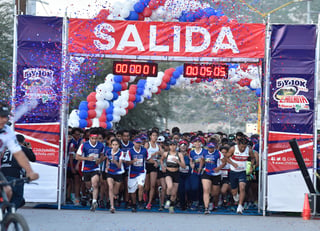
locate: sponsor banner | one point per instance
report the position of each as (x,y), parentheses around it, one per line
(44,139)
(280,156)
(88,36)
(291,111)
(38,98)
(38,86)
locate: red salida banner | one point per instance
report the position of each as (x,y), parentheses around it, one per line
(229,40)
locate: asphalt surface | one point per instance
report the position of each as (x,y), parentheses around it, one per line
(82,220)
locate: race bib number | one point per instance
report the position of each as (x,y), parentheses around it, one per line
(138,163)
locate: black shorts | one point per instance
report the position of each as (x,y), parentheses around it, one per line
(161,174)
(71,175)
(225,180)
(173,175)
(88,175)
(216,180)
(115,177)
(150,168)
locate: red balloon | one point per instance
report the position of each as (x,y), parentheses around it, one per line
(132,97)
(127,110)
(166,78)
(213,19)
(91,105)
(89,123)
(198,80)
(103,124)
(158,92)
(147,12)
(125,78)
(153,4)
(169,71)
(203,20)
(92,114)
(92,97)
(223,19)
(133,89)
(103,117)
(141,17)
(163,85)
(233,21)
(124,86)
(131,105)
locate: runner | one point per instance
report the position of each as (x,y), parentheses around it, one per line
(135,159)
(225,188)
(152,165)
(114,171)
(211,178)
(173,160)
(237,156)
(91,154)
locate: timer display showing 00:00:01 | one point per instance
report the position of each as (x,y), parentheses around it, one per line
(205,71)
(135,68)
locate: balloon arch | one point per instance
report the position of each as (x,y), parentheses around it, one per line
(112,99)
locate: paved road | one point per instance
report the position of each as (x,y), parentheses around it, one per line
(82,220)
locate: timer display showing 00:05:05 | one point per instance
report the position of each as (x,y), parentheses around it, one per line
(135,68)
(205,71)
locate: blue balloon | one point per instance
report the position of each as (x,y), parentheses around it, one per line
(138,7)
(83,123)
(258,92)
(140,91)
(219,13)
(145,2)
(109,125)
(118,78)
(138,99)
(179,69)
(117,87)
(141,83)
(209,11)
(168,87)
(190,17)
(115,95)
(83,105)
(198,14)
(133,16)
(182,18)
(109,110)
(173,81)
(176,74)
(109,117)
(83,114)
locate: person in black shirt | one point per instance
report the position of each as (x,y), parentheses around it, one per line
(12,170)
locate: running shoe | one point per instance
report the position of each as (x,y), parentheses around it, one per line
(210,206)
(134,209)
(101,204)
(148,206)
(171,209)
(161,208)
(236,197)
(94,206)
(206,211)
(112,210)
(167,205)
(240,209)
(194,206)
(140,205)
(76,202)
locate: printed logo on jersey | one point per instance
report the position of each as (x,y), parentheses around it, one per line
(287,93)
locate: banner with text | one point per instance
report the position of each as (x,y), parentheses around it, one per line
(38,98)
(229,40)
(291,112)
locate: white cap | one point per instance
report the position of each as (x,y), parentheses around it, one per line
(161,139)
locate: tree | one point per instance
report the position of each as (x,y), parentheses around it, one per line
(6,51)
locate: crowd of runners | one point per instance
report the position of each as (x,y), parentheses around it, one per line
(167,170)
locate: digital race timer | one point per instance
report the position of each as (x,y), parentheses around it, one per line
(135,68)
(215,71)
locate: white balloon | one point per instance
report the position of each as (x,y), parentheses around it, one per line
(235,79)
(160,74)
(95,122)
(116,103)
(124,13)
(74,115)
(102,104)
(123,112)
(124,103)
(154,89)
(158,81)
(255,83)
(116,111)
(142,99)
(108,95)
(116,118)
(98,112)
(107,87)
(132,78)
(109,78)
(74,123)
(100,96)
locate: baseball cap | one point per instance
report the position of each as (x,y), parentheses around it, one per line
(183,142)
(211,145)
(4,110)
(137,140)
(161,139)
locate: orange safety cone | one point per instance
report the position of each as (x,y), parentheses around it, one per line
(306,211)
